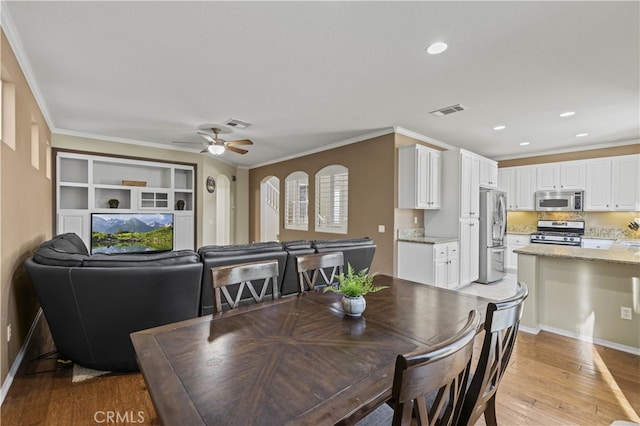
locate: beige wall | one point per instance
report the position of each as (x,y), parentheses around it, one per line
(373,180)
(371,194)
(205,165)
(25,212)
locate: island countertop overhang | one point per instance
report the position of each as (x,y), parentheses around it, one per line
(620,252)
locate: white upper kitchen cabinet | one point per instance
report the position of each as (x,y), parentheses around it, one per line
(507,184)
(567,175)
(469,185)
(418,177)
(488,173)
(613,184)
(626,183)
(519,184)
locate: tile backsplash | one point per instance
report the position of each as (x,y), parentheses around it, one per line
(597,224)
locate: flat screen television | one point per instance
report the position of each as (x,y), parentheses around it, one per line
(131,232)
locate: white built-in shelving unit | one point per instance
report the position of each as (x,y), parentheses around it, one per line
(85,183)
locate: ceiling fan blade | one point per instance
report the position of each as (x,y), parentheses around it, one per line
(192,143)
(207,137)
(238,150)
(240,142)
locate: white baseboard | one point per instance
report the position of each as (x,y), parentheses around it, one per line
(581,337)
(530,330)
(16,363)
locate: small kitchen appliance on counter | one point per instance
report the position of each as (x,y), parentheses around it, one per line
(559,232)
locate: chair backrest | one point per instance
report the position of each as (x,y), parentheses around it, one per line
(441,370)
(501,328)
(242,275)
(312,266)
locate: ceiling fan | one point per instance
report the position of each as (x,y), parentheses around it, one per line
(217,146)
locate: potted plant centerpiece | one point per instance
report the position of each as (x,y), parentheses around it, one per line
(353,286)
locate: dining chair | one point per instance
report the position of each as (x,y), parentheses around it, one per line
(429,384)
(312,266)
(501,328)
(243,276)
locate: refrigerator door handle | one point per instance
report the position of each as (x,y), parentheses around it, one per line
(502,208)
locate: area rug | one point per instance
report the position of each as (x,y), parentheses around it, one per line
(80,374)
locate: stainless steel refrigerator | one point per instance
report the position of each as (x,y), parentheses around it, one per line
(493,226)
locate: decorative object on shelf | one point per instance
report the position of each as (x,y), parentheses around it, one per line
(211,184)
(134,183)
(113,203)
(353,287)
(180,205)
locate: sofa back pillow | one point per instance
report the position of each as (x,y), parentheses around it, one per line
(62,250)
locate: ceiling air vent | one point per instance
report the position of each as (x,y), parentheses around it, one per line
(237,124)
(448,110)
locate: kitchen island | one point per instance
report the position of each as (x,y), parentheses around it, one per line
(579,292)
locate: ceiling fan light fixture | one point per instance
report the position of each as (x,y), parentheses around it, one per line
(215,149)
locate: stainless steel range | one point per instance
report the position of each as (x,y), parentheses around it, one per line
(566,233)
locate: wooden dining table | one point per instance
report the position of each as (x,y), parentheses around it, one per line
(296,360)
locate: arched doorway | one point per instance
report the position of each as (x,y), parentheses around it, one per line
(270,209)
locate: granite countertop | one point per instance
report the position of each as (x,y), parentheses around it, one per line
(428,240)
(620,252)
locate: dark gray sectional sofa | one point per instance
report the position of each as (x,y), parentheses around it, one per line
(93,302)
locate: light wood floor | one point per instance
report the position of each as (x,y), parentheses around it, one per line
(551,380)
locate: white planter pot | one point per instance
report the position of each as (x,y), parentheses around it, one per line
(353,306)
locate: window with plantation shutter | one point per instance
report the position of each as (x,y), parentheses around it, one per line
(296,200)
(332,199)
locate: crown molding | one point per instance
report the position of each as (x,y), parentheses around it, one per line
(423,138)
(568,150)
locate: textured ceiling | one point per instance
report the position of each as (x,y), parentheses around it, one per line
(315,74)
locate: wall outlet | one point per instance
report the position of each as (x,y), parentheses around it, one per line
(625,312)
(381,229)
(415,220)
(9,333)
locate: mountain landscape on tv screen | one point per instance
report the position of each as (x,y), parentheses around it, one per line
(131,233)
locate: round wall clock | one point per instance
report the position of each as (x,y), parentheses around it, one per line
(211,184)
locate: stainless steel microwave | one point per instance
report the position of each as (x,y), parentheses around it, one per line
(559,201)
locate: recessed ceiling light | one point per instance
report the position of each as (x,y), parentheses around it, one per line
(437,47)
(524,143)
(501,127)
(567,114)
(581,135)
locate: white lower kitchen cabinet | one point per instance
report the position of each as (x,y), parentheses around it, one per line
(469,251)
(426,263)
(514,242)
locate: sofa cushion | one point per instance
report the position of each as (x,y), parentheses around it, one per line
(179,257)
(62,250)
(297,245)
(241,249)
